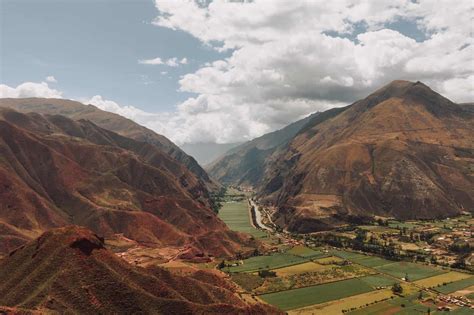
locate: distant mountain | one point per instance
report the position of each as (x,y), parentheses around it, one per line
(109,121)
(207,152)
(69,270)
(55,171)
(245,164)
(404,151)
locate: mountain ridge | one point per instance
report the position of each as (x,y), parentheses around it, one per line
(352,163)
(57,171)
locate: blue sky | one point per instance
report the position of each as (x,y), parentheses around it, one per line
(93,47)
(251,66)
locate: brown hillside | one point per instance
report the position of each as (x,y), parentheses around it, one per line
(56,171)
(68,270)
(110,121)
(404,151)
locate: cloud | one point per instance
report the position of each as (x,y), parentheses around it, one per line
(154,61)
(171,62)
(289,59)
(51,79)
(29,89)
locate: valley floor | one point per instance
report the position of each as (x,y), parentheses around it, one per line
(301,277)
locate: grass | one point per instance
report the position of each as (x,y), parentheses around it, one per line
(236,216)
(397,305)
(297,298)
(443,278)
(300,268)
(364,260)
(379,281)
(355,301)
(414,271)
(306,252)
(455,286)
(267,262)
(462,311)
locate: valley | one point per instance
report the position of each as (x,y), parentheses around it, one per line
(344,211)
(315,274)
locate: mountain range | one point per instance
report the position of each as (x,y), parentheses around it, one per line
(404,151)
(56,171)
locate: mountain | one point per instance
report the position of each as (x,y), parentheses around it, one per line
(69,270)
(245,164)
(206,152)
(55,171)
(109,121)
(405,151)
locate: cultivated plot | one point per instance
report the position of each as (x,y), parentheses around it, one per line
(297,298)
(411,270)
(267,262)
(236,216)
(455,286)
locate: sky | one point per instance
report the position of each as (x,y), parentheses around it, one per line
(223,72)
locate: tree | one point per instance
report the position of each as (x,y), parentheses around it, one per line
(397,288)
(221,265)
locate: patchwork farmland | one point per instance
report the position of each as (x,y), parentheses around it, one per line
(301,279)
(316,281)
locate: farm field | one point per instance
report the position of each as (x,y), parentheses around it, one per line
(443,278)
(300,268)
(379,281)
(414,271)
(297,298)
(306,252)
(328,260)
(267,262)
(236,215)
(336,307)
(364,260)
(456,285)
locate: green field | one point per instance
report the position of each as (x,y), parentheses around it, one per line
(378,281)
(455,286)
(364,260)
(267,262)
(306,252)
(297,298)
(398,305)
(414,271)
(236,216)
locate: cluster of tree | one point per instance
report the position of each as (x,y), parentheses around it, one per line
(266,273)
(397,288)
(216,199)
(461,247)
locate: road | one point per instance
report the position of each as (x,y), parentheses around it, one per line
(258,216)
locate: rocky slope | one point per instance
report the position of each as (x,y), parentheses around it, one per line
(56,171)
(246,163)
(404,151)
(69,270)
(109,121)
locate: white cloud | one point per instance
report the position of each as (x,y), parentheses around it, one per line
(29,89)
(51,79)
(171,62)
(284,64)
(154,61)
